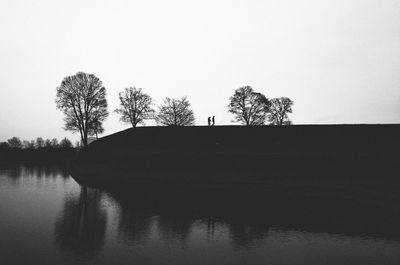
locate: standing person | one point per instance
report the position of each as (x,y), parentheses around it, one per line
(213,120)
(209,121)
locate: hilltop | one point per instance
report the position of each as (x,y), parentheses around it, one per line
(263,139)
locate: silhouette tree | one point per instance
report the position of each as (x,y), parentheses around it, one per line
(279,109)
(4,146)
(78,145)
(15,143)
(249,107)
(47,143)
(65,143)
(25,144)
(54,143)
(135,106)
(39,143)
(28,145)
(82,99)
(32,144)
(175,112)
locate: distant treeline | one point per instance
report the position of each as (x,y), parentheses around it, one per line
(16,143)
(39,150)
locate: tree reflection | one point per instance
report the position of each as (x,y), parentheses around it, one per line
(21,171)
(210,227)
(175,228)
(140,211)
(247,236)
(81,227)
(13,174)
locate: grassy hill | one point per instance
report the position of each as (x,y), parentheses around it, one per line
(367,150)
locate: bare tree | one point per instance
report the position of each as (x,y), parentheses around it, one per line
(135,106)
(279,109)
(175,112)
(249,107)
(82,99)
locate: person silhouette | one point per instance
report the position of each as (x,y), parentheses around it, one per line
(213,120)
(209,121)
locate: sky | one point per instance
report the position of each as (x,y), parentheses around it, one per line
(338,60)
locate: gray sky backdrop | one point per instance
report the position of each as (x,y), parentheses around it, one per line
(339,60)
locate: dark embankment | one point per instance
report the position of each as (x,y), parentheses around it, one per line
(350,161)
(269,150)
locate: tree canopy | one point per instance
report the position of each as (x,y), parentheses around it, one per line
(175,112)
(249,107)
(82,99)
(66,143)
(279,109)
(14,143)
(135,106)
(39,143)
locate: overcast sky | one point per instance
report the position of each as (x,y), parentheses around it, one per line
(338,60)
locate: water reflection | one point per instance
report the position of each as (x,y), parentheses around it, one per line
(247,237)
(65,223)
(15,174)
(134,227)
(247,216)
(81,228)
(174,228)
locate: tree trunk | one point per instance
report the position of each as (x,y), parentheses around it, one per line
(85,138)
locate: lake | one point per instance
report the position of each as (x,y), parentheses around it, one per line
(46,217)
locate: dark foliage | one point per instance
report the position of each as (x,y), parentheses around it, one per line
(39,143)
(14,143)
(39,151)
(65,143)
(4,146)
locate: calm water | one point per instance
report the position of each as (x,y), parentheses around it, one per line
(48,218)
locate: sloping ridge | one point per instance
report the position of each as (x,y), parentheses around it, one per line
(265,139)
